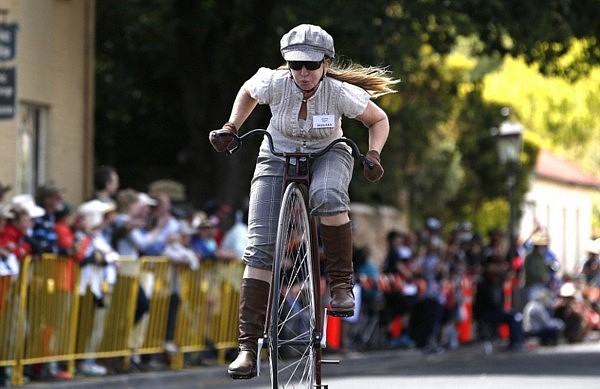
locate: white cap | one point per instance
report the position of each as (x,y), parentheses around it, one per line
(94,210)
(144,198)
(26,202)
(567,290)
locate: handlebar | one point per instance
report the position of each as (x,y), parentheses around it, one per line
(239,140)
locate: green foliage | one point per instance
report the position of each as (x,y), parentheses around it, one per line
(563,114)
(596,217)
(541,31)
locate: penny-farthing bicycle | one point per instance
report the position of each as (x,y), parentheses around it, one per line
(295,321)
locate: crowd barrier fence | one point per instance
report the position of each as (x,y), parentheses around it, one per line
(47,315)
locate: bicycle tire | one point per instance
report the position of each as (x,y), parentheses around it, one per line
(293,353)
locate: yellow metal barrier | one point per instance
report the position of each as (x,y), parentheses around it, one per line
(45,318)
(46,314)
(154,273)
(11,321)
(207,315)
(104,325)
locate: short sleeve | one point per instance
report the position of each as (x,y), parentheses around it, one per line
(259,85)
(353,100)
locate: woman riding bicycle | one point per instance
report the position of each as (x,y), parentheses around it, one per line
(308,98)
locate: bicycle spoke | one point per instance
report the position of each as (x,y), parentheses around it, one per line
(293,321)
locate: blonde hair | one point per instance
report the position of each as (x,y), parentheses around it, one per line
(126,198)
(377,81)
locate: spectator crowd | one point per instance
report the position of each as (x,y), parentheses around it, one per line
(114,224)
(434,292)
(431,292)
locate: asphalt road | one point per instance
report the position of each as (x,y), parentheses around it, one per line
(564,367)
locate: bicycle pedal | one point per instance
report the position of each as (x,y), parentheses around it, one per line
(330,361)
(340,313)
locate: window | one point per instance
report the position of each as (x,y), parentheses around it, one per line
(30,147)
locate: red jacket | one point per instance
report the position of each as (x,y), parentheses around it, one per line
(14,240)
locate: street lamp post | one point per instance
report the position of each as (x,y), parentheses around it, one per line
(509,145)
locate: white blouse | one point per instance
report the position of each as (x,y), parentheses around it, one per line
(332,100)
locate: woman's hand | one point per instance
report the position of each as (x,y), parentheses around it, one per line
(220,139)
(374,173)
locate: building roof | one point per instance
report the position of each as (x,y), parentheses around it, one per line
(551,167)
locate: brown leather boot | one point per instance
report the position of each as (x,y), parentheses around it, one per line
(254,295)
(337,245)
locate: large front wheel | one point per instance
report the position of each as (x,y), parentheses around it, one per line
(292,340)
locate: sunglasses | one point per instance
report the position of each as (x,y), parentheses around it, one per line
(309,65)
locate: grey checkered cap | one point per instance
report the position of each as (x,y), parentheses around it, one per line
(306,42)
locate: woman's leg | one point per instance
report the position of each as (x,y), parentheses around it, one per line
(329,200)
(263,213)
(254,295)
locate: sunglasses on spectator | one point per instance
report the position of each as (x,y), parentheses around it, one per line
(309,65)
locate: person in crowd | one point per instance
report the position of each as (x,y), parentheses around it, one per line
(591,265)
(9,270)
(367,275)
(219,214)
(371,299)
(9,265)
(427,314)
(462,232)
(93,249)
(159,230)
(5,214)
(106,183)
(474,256)
(64,276)
(236,237)
(295,92)
(146,227)
(106,186)
(160,226)
(145,224)
(488,307)
(536,269)
(129,238)
(204,242)
(95,255)
(495,243)
(16,235)
(48,196)
(431,231)
(572,308)
(538,321)
(65,236)
(452,269)
(400,256)
(180,254)
(402,291)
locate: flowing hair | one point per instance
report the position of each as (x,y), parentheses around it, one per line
(377,81)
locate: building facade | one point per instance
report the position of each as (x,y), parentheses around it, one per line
(47,108)
(561,201)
